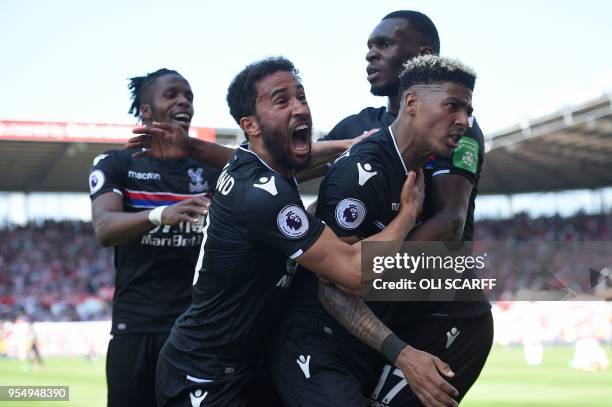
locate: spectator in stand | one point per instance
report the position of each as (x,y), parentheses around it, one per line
(37,260)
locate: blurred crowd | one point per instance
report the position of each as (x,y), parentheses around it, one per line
(521,227)
(565,264)
(56,271)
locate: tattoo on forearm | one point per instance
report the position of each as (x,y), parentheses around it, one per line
(354,315)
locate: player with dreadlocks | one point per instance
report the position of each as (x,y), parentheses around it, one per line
(150,211)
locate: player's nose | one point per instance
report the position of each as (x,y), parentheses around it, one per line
(372,54)
(183,100)
(300,107)
(462,119)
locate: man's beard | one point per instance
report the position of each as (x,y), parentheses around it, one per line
(279,147)
(389,89)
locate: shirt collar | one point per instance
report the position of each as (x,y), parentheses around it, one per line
(397,150)
(246,148)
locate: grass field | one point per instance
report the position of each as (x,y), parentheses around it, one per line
(85,379)
(505,381)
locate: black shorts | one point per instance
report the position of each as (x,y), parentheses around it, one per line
(463,344)
(311,367)
(315,366)
(178,388)
(130,369)
(244,386)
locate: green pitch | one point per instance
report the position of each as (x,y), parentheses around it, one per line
(505,381)
(86,380)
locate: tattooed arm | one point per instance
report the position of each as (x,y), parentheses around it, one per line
(421,370)
(354,315)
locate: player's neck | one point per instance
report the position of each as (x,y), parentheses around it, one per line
(409,146)
(393,103)
(265,156)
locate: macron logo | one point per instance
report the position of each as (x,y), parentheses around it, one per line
(267,185)
(144,175)
(197,397)
(304,363)
(365,173)
(451,336)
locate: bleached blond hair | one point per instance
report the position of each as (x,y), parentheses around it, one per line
(431,69)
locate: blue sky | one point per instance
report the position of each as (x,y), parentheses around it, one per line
(69,60)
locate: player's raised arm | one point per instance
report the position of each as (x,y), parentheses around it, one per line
(171,142)
(168,141)
(325,151)
(454,185)
(450,199)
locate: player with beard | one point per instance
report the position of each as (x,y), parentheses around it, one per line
(451,189)
(166,141)
(150,210)
(256,223)
(357,198)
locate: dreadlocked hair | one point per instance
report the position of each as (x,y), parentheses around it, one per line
(139,85)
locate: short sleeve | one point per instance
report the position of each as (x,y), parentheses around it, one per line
(105,175)
(466,159)
(273,214)
(350,196)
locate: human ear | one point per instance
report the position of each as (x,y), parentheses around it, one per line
(145,113)
(250,126)
(410,101)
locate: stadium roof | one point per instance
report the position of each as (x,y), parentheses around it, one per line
(569,149)
(56,157)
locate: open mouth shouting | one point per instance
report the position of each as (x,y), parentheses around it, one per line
(454,140)
(301,139)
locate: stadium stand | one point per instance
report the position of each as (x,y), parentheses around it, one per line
(56,271)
